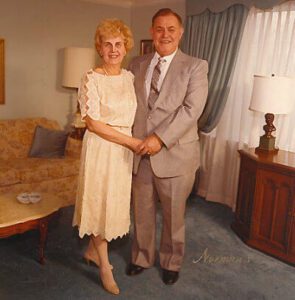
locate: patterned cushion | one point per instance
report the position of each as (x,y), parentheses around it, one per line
(31,170)
(16,135)
(73,148)
(8,176)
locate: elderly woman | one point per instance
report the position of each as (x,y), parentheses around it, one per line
(108,104)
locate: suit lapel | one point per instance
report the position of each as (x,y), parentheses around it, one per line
(174,68)
(143,70)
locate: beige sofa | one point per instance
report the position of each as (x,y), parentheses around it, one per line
(20,173)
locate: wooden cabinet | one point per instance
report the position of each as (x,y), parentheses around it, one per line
(265,212)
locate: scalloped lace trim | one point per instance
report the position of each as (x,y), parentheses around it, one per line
(109,237)
(88,98)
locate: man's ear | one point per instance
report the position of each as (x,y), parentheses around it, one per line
(182,31)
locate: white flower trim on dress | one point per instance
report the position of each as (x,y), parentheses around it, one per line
(88,97)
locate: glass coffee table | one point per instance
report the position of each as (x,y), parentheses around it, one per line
(16,218)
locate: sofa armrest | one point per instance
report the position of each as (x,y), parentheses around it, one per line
(73,147)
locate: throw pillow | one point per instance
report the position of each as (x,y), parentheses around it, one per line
(48,143)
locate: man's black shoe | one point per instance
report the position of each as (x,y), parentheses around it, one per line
(133,269)
(170,277)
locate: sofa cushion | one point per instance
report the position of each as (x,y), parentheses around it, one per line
(48,143)
(31,170)
(8,176)
(16,135)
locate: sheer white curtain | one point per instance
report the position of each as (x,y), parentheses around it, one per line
(267,47)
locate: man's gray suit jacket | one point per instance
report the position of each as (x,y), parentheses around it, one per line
(175,114)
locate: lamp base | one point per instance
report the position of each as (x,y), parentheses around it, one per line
(78,123)
(267,144)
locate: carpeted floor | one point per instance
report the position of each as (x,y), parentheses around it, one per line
(217,265)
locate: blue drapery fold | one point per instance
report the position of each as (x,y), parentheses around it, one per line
(215,37)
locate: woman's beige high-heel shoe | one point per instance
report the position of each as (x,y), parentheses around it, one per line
(110,287)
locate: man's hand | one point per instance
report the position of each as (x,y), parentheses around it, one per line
(150,145)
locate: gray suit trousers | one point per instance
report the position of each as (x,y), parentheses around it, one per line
(172,192)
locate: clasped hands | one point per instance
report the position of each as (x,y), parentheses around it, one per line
(149,146)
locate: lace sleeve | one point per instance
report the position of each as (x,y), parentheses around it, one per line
(88,97)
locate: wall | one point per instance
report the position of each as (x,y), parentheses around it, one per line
(35,32)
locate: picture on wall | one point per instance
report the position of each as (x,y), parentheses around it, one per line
(146,46)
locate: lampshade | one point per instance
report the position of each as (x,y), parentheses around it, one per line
(76,62)
(272,94)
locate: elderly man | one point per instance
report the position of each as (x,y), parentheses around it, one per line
(171,89)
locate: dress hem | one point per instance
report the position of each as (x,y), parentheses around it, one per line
(81,235)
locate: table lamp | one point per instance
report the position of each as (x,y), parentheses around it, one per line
(76,62)
(271,95)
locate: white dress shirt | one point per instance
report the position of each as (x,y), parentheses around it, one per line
(164,68)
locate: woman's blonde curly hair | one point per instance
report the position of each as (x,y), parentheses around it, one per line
(113,28)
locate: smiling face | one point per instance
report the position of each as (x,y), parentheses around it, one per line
(166,33)
(112,50)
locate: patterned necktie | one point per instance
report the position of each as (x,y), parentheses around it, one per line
(154,91)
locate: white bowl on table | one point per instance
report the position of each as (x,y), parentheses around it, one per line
(23,198)
(34,197)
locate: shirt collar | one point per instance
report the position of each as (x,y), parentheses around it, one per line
(167,58)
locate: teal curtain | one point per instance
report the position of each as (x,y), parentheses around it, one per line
(215,37)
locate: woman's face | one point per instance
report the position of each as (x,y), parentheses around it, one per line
(113,50)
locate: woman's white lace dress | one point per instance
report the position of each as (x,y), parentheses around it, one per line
(104,186)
